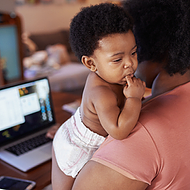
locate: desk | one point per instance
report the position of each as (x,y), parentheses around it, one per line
(42,174)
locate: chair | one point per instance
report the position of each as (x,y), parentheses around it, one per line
(11,49)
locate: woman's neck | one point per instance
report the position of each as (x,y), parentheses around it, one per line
(164,82)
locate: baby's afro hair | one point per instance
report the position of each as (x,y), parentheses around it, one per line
(93,23)
(162,32)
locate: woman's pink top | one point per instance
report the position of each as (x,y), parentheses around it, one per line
(157,151)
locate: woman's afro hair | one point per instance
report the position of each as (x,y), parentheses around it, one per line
(93,23)
(162,32)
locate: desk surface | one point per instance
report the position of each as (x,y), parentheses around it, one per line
(41,174)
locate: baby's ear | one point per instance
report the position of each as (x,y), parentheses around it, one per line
(88,62)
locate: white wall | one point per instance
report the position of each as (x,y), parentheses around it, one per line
(7,5)
(49,17)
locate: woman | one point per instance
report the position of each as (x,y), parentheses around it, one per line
(156,153)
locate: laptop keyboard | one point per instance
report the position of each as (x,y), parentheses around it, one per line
(28,145)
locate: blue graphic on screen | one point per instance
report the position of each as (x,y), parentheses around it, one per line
(9,52)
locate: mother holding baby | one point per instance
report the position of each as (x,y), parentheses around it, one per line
(155,156)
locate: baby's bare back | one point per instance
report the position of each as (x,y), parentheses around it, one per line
(95,86)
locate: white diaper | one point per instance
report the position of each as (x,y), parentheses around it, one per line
(74,144)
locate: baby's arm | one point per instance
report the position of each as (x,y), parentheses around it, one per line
(119,123)
(133,92)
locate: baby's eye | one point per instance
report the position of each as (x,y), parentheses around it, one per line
(117,60)
(133,53)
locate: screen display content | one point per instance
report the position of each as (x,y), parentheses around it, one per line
(24,108)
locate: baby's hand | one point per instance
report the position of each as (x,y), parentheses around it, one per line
(135,88)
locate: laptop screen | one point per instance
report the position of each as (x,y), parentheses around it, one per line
(25,108)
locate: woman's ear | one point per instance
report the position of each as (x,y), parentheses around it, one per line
(88,62)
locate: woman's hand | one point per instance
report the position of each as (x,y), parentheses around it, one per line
(51,132)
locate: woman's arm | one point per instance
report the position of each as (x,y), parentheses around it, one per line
(94,176)
(97,176)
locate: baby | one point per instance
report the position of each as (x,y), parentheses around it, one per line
(101,37)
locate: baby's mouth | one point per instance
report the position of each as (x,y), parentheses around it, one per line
(130,75)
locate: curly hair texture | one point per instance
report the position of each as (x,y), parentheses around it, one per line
(93,23)
(162,32)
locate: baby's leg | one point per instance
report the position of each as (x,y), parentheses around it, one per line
(67,182)
(60,181)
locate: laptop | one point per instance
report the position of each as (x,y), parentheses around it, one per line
(26,113)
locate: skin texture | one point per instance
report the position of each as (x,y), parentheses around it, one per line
(112,181)
(112,96)
(105,94)
(98,176)
(169,49)
(59,180)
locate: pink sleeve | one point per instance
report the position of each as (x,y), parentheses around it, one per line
(136,155)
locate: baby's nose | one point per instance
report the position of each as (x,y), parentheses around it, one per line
(128,64)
